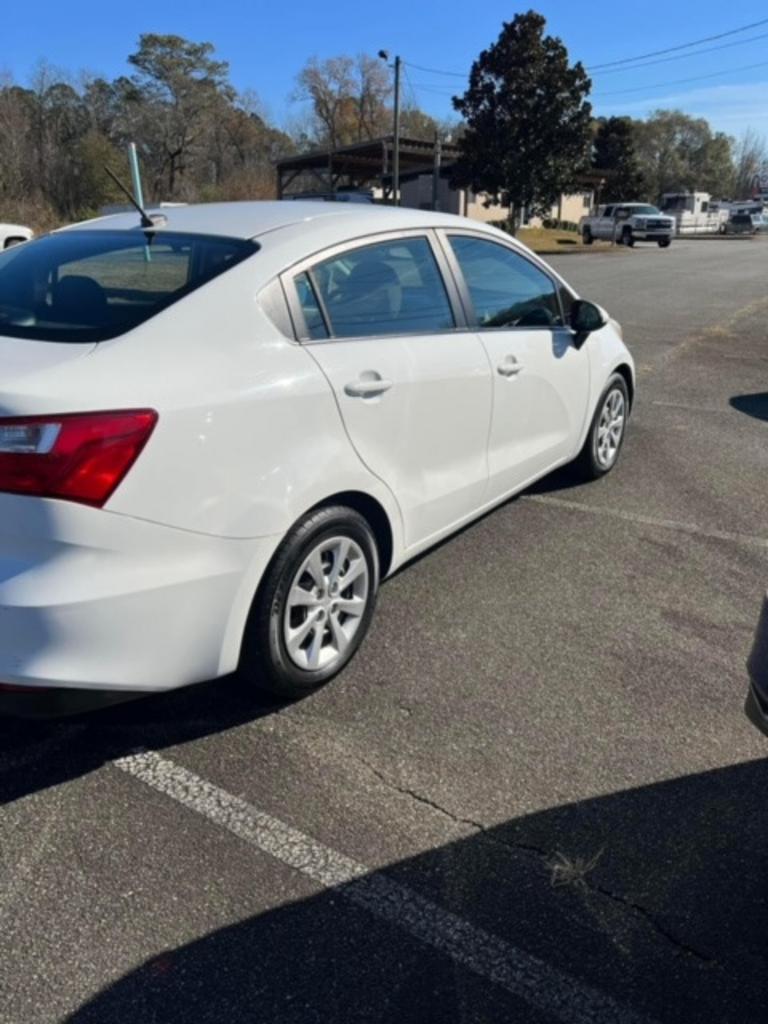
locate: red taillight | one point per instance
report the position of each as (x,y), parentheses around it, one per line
(76,456)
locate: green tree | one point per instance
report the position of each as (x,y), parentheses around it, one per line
(677,152)
(615,158)
(528,125)
(179,88)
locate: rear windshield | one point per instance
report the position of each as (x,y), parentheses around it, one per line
(86,286)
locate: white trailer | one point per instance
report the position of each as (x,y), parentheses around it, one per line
(693,212)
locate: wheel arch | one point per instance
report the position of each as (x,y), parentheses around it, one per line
(375,515)
(624,371)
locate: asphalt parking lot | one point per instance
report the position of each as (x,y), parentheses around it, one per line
(534,795)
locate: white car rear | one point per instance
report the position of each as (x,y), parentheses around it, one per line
(217,436)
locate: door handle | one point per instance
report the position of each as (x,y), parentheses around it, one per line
(510,367)
(367,388)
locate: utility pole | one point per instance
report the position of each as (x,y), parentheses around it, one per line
(396,131)
(396,143)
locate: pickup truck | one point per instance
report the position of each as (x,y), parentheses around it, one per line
(628,223)
(12,234)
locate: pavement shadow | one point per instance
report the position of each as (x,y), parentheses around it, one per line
(755,405)
(39,752)
(654,897)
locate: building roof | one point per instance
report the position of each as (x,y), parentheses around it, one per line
(373,157)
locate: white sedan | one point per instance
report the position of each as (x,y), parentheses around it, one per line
(219,434)
(14,234)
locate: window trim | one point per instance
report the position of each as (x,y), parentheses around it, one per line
(307,265)
(444,237)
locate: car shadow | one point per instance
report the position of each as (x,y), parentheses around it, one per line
(654,897)
(49,748)
(562,479)
(755,405)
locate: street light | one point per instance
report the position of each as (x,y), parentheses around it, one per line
(384,55)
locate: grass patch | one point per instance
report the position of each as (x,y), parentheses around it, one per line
(551,240)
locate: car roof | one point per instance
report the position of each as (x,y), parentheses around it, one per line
(252,219)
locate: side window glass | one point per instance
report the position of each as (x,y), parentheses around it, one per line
(608,211)
(388,288)
(506,289)
(313,316)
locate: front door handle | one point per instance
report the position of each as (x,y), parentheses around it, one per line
(366,388)
(509,367)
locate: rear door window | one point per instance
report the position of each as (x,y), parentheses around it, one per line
(386,288)
(86,286)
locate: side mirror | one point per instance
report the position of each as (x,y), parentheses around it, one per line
(586,317)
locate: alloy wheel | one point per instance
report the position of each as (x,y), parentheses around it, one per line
(610,428)
(326,603)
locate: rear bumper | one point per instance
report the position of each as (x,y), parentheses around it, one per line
(97,600)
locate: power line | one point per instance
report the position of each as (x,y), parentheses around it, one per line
(682,46)
(412,92)
(683,56)
(438,71)
(682,81)
(641,56)
(438,90)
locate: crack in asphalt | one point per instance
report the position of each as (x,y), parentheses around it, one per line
(548,858)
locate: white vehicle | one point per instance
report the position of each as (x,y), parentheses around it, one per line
(628,223)
(13,234)
(694,213)
(218,435)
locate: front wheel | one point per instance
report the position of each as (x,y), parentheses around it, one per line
(627,238)
(606,432)
(314,604)
(664,243)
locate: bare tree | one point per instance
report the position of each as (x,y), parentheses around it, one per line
(348,98)
(750,157)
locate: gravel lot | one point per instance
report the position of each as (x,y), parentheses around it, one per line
(534,796)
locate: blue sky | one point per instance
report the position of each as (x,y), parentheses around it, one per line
(267,43)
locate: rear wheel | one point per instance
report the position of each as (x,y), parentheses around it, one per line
(606,432)
(587,237)
(314,605)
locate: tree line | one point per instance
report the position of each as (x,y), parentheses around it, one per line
(525,129)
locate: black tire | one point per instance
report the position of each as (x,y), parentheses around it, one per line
(265,661)
(587,237)
(664,243)
(627,238)
(588,463)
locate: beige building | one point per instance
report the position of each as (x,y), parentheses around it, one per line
(569,208)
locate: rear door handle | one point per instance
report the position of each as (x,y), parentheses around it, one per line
(509,367)
(367,388)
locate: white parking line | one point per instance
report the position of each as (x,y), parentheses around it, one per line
(519,973)
(635,517)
